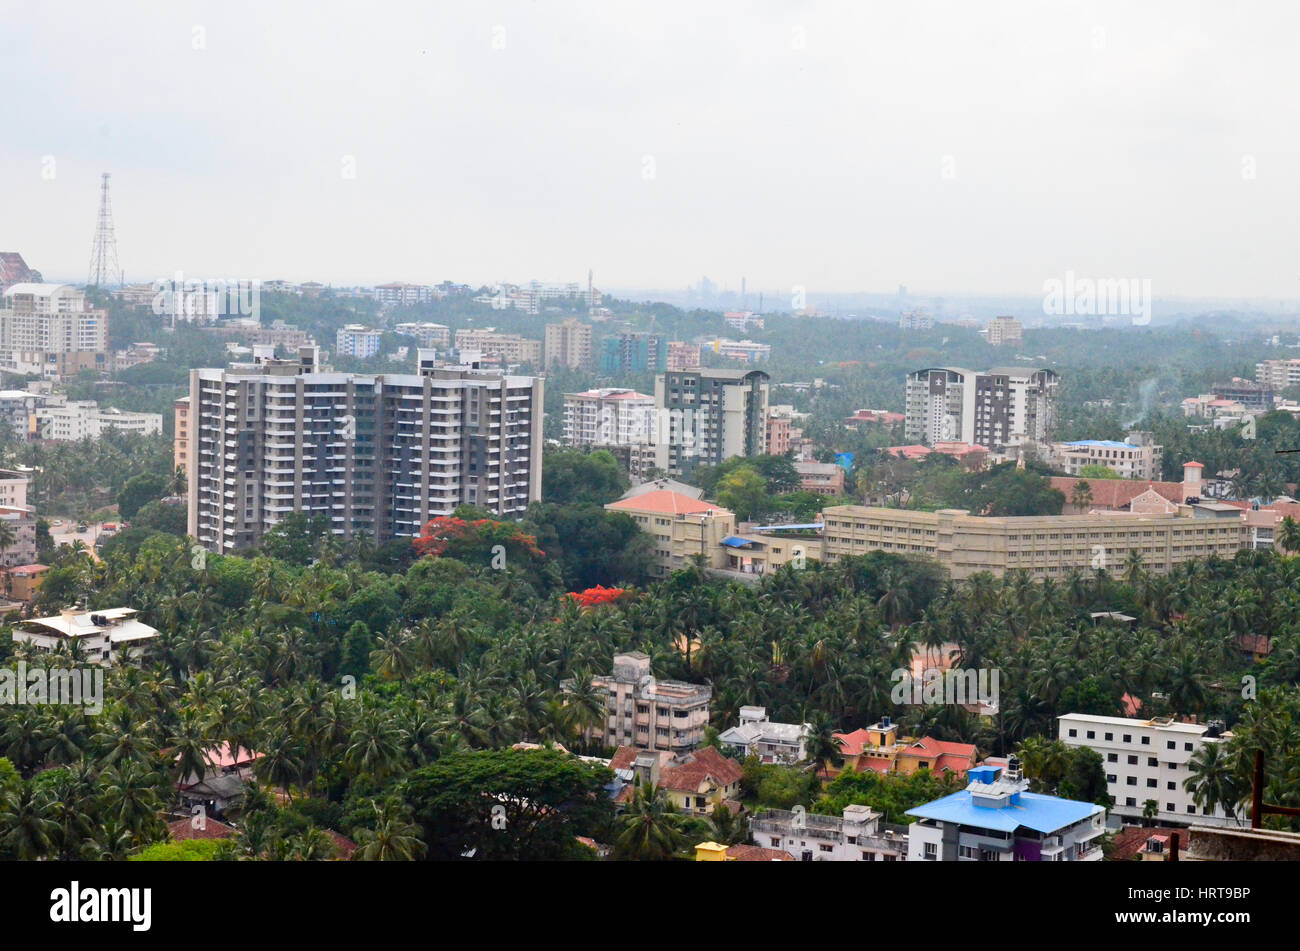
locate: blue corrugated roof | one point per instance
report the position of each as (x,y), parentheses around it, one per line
(735,541)
(1041,813)
(1102,444)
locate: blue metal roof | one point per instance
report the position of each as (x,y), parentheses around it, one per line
(1102,444)
(1043,814)
(735,541)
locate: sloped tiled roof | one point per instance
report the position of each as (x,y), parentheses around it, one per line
(664,502)
(690,774)
(756,853)
(943,755)
(851,744)
(183,829)
(1117,493)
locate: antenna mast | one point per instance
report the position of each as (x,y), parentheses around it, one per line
(104,268)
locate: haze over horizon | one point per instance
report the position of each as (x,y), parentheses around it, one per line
(841,148)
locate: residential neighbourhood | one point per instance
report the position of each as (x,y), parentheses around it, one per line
(618,437)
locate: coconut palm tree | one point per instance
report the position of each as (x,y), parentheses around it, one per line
(27,826)
(1288,535)
(1212,780)
(651,826)
(394,838)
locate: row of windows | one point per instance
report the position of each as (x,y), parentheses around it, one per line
(1128,738)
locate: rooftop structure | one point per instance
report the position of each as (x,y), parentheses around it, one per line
(996,819)
(105,636)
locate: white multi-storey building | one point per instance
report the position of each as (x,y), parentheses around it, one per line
(996,819)
(747,351)
(1278,374)
(854,837)
(1146,759)
(51,329)
(396,295)
(381,454)
(356,340)
(72,421)
(426,334)
(609,417)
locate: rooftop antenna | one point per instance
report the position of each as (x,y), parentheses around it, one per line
(104,268)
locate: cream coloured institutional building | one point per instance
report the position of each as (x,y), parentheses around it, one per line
(1048,546)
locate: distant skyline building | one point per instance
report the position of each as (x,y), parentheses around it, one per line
(568,344)
(1003,330)
(992,409)
(356,340)
(511,348)
(633,352)
(51,330)
(403,295)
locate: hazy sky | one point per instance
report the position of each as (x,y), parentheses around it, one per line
(969,146)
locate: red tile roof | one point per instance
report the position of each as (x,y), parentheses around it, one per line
(851,744)
(756,853)
(877,764)
(690,774)
(183,829)
(664,502)
(623,757)
(1118,493)
(1259,644)
(943,755)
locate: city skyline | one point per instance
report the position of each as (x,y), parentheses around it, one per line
(820,146)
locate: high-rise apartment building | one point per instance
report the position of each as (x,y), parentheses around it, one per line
(354,340)
(1003,330)
(380,454)
(609,417)
(710,415)
(51,328)
(181,457)
(991,409)
(633,352)
(568,344)
(399,295)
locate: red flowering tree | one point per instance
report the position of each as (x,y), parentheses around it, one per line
(594,597)
(475,540)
